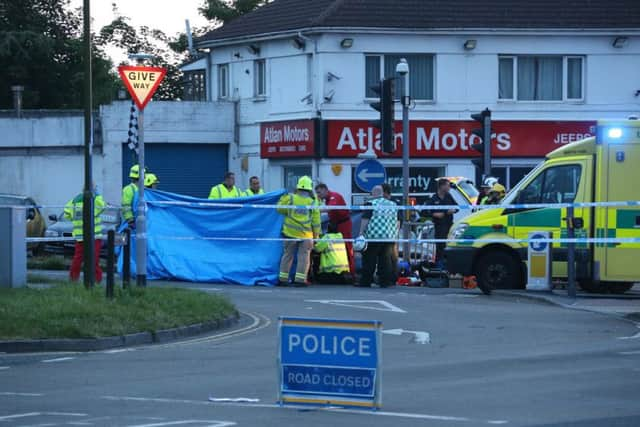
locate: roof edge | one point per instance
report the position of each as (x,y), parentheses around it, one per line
(435,31)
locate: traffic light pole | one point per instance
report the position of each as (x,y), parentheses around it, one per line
(403,69)
(487,145)
(88,237)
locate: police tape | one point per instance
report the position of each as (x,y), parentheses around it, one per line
(418,208)
(587,240)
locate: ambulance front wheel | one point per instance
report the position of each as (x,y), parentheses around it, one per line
(499,270)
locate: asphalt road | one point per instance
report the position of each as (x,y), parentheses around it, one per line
(492,361)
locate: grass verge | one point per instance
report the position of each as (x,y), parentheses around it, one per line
(71,311)
(54,262)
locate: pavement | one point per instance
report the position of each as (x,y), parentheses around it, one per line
(625,306)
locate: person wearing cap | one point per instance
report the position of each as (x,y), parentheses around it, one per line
(226,189)
(303,225)
(128,194)
(496,194)
(484,194)
(151,181)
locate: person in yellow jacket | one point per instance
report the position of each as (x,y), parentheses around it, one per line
(334,262)
(226,189)
(73,212)
(151,181)
(128,194)
(301,223)
(254,187)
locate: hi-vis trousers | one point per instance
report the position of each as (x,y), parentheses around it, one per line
(301,248)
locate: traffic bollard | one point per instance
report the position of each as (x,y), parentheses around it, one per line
(126,259)
(111,237)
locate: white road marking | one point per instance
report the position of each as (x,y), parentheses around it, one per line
(59,359)
(118,350)
(65,414)
(253,327)
(420,337)
(234,399)
(632,337)
(4,368)
(297,408)
(14,416)
(10,393)
(209,423)
(382,305)
(629,353)
(39,425)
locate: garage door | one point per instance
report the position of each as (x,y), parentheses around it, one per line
(190,169)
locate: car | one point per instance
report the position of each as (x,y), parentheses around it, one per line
(36,225)
(62,227)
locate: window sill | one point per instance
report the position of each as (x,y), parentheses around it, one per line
(515,101)
(261,98)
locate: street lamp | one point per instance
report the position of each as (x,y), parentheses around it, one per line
(402,68)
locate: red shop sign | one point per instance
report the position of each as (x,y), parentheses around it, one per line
(287,139)
(348,138)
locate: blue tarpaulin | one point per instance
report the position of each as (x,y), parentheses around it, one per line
(183,244)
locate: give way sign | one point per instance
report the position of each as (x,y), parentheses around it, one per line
(141,82)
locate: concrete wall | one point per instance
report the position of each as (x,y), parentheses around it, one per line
(41,154)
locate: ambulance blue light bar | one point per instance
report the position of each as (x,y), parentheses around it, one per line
(614,133)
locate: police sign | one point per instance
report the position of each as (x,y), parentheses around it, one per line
(329,362)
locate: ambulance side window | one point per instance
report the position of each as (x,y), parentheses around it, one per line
(557,184)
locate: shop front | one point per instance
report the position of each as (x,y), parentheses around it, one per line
(330,150)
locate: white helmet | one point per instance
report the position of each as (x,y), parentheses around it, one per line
(490,181)
(360,244)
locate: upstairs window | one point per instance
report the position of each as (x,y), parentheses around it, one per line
(223,81)
(421,74)
(541,78)
(194,85)
(260,78)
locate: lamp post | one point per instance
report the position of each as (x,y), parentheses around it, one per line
(402,68)
(88,237)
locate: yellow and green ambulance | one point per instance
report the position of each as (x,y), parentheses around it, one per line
(603,168)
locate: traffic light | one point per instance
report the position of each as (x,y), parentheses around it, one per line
(386,92)
(483,163)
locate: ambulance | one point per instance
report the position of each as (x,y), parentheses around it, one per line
(603,168)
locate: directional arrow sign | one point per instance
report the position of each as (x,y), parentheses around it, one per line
(420,337)
(141,82)
(369,173)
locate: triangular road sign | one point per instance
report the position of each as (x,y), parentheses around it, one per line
(141,82)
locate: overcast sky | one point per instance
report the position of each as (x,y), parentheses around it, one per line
(165,15)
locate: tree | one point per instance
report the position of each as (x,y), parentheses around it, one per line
(121,34)
(41,49)
(223,11)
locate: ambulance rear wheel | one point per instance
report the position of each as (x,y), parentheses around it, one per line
(499,270)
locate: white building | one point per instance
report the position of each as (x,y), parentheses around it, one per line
(299,71)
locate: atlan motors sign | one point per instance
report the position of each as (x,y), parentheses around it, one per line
(348,138)
(287,139)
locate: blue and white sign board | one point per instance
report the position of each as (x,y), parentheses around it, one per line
(370,173)
(329,362)
(539,260)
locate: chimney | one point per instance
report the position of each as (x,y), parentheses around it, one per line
(17,99)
